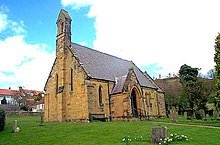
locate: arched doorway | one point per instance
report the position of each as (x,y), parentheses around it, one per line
(134,103)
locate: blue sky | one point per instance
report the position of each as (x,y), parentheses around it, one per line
(158,36)
(40,17)
(36,24)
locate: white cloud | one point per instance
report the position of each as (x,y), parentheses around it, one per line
(167,33)
(22,64)
(3,21)
(15,28)
(76,4)
(30,63)
(83,43)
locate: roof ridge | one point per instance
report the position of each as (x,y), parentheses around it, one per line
(102,52)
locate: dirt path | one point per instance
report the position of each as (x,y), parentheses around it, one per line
(189,125)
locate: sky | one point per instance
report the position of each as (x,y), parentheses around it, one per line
(158,36)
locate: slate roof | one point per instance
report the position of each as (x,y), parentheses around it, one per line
(159,89)
(107,67)
(120,81)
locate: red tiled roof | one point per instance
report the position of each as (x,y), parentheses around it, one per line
(7,92)
(30,102)
(35,93)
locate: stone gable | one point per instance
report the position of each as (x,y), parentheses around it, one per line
(85,84)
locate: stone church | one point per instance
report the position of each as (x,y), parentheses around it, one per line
(85,84)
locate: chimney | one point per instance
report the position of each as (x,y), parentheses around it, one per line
(20,89)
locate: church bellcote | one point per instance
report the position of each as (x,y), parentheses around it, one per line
(63,31)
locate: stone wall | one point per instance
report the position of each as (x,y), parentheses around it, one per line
(23,113)
(99,88)
(120,105)
(8,107)
(67,104)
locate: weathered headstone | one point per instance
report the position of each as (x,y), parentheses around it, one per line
(215,114)
(207,116)
(174,115)
(157,134)
(185,115)
(155,123)
(15,127)
(165,130)
(202,113)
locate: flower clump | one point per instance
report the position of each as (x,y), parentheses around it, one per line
(173,138)
(126,140)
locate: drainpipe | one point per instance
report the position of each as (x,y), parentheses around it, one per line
(109,101)
(143,103)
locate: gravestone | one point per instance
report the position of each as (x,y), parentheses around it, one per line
(202,113)
(185,115)
(174,115)
(15,127)
(155,123)
(215,114)
(158,133)
(207,116)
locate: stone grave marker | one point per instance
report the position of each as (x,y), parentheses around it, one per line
(174,115)
(15,127)
(155,123)
(186,115)
(215,114)
(203,113)
(207,116)
(158,133)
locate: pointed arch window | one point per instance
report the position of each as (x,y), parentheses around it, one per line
(56,83)
(71,79)
(62,27)
(100,96)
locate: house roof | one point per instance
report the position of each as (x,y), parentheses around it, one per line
(7,92)
(107,67)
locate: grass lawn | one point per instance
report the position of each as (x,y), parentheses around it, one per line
(97,133)
(182,120)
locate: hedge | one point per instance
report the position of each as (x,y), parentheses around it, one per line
(2,120)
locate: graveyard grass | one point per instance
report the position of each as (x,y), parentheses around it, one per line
(96,133)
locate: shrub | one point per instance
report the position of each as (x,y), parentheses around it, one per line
(2,120)
(24,107)
(200,114)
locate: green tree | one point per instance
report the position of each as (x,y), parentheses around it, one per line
(39,97)
(4,101)
(217,72)
(194,97)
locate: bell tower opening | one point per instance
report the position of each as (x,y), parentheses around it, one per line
(63,32)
